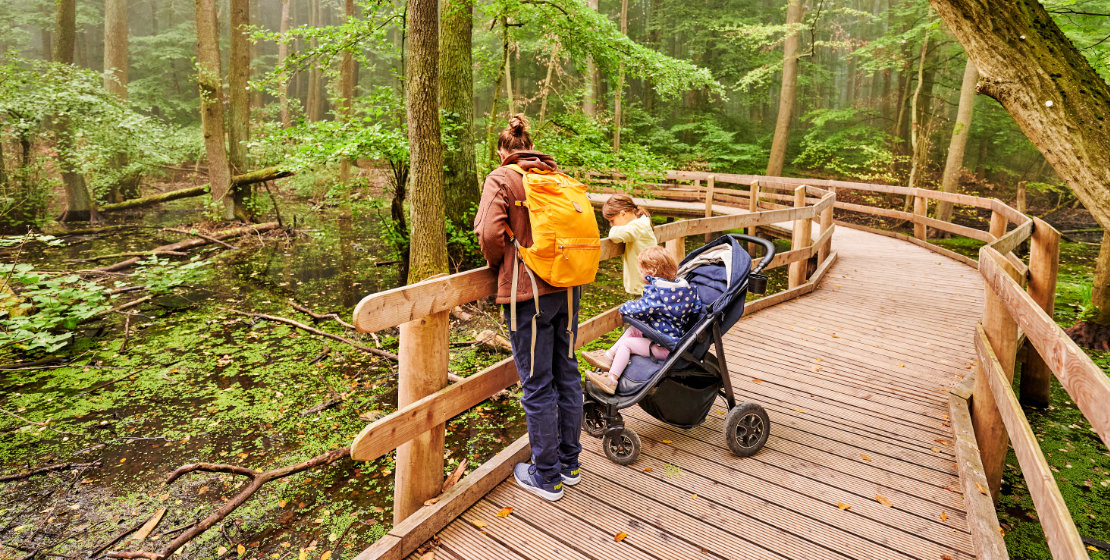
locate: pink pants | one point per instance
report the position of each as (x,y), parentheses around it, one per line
(632,342)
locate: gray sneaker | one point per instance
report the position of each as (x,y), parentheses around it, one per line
(570,475)
(530,480)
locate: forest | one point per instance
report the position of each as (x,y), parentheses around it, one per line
(195,195)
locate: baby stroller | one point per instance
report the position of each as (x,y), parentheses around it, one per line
(680,389)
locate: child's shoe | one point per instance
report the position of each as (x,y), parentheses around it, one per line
(529,479)
(598,359)
(570,475)
(603,380)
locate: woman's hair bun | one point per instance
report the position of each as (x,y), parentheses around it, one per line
(518,124)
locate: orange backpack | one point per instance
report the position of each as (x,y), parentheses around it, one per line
(566,244)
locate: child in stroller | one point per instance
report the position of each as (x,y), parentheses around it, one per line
(667,305)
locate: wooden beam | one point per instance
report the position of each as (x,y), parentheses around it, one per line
(925,244)
(1010,241)
(982,520)
(875,211)
(390,308)
(721,223)
(1059,529)
(709,183)
(920,210)
(1085,382)
(827,227)
(800,240)
(1007,211)
(787,295)
(998,224)
(1044,262)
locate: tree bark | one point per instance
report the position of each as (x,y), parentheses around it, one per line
(115,81)
(212,107)
(313,105)
(1054,95)
(920,114)
(795,14)
(551,63)
(958,144)
(508,68)
(259,176)
(79,205)
(461,189)
(593,78)
(347,90)
(283,53)
(620,85)
(239,102)
(421,460)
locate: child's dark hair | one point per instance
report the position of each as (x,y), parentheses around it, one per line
(656,261)
(515,137)
(618,203)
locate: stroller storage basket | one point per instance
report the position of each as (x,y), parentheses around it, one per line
(683,398)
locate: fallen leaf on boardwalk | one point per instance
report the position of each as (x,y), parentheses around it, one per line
(757,380)
(455,476)
(943,516)
(666,441)
(834,335)
(620,536)
(648,469)
(934,449)
(430,555)
(478,523)
(942,441)
(799,410)
(325,555)
(946,557)
(883,500)
(818,360)
(816,368)
(865,457)
(843,506)
(980,488)
(901,365)
(505,511)
(693,496)
(240,549)
(431,501)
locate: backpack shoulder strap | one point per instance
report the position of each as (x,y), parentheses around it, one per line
(516,168)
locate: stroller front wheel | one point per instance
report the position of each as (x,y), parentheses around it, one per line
(746,429)
(592,420)
(622,448)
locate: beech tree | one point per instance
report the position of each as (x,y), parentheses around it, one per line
(1058,100)
(212,107)
(79,205)
(795,14)
(461,189)
(239,102)
(958,144)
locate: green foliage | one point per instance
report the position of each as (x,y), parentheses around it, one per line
(841,141)
(577,141)
(719,149)
(161,276)
(40,311)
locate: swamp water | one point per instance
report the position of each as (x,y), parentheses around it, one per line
(191,381)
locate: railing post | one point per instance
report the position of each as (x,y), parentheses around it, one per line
(990,433)
(800,240)
(753,207)
(826,225)
(1044,261)
(998,224)
(422,363)
(677,248)
(709,204)
(920,208)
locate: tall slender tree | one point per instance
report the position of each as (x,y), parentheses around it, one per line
(283,53)
(239,102)
(115,81)
(620,85)
(456,94)
(958,144)
(347,89)
(593,79)
(212,107)
(79,205)
(1060,102)
(795,14)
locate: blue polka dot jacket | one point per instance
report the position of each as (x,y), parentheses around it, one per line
(668,307)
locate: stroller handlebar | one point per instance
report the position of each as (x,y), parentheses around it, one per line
(768,248)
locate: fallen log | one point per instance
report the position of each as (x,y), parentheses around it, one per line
(319,332)
(190,243)
(46,469)
(265,174)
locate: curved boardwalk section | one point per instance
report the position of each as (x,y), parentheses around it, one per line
(854,377)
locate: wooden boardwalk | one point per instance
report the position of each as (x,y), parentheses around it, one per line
(854,377)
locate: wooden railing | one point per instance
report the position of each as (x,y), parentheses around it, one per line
(1018,306)
(426,401)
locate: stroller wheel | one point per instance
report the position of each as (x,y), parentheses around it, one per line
(592,420)
(746,429)
(622,448)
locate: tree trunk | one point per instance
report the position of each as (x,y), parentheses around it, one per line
(239,102)
(620,85)
(958,144)
(79,205)
(212,107)
(283,53)
(795,13)
(491,128)
(593,79)
(508,67)
(461,189)
(919,113)
(347,90)
(1053,94)
(551,63)
(313,104)
(421,460)
(115,81)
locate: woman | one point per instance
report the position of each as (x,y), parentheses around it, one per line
(552,387)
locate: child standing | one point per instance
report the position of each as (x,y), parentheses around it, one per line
(667,305)
(630,225)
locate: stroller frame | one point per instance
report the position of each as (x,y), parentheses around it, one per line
(746,426)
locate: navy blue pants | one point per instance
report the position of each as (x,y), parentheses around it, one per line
(552,397)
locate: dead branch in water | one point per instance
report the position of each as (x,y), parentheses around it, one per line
(319,332)
(190,243)
(46,469)
(257,479)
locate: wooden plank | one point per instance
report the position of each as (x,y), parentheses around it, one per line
(709,183)
(787,295)
(1044,263)
(685,228)
(955,198)
(934,248)
(998,224)
(1015,237)
(875,211)
(788,257)
(953,228)
(1060,532)
(1085,382)
(390,308)
(800,240)
(1008,212)
(823,247)
(920,210)
(982,521)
